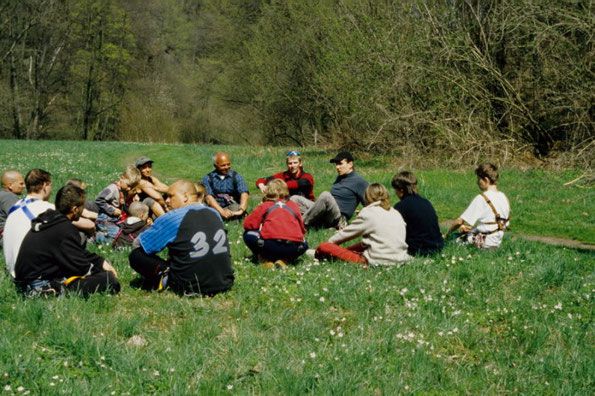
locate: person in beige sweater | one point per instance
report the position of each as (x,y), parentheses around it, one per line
(382,229)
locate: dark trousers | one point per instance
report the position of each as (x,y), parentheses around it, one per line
(274,249)
(96,283)
(149,266)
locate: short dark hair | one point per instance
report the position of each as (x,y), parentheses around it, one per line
(488,170)
(35,180)
(405,182)
(69,196)
(75,182)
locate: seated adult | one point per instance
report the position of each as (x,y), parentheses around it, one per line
(227,191)
(199,256)
(423,232)
(51,259)
(150,190)
(335,208)
(18,222)
(299,183)
(12,186)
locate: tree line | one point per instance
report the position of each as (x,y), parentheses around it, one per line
(379,75)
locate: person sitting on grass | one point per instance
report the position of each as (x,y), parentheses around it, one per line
(138,220)
(335,208)
(51,259)
(111,204)
(490,210)
(18,222)
(299,183)
(13,185)
(150,190)
(382,230)
(423,235)
(275,229)
(91,210)
(227,191)
(199,260)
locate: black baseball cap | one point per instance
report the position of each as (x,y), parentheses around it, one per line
(343,155)
(140,161)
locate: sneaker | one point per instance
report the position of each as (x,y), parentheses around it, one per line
(310,252)
(268,265)
(281,264)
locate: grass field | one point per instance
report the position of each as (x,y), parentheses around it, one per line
(515,320)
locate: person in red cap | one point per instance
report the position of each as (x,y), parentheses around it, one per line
(335,208)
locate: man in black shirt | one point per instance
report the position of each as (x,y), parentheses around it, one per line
(199,256)
(51,259)
(423,232)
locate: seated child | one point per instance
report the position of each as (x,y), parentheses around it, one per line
(275,229)
(423,232)
(490,210)
(382,230)
(110,202)
(137,221)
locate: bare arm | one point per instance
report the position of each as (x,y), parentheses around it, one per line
(212,202)
(148,189)
(457,224)
(159,185)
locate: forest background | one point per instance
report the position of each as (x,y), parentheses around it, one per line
(507,79)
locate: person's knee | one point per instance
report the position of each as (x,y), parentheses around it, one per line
(325,195)
(113,285)
(136,258)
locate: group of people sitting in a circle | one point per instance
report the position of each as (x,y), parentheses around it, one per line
(44,244)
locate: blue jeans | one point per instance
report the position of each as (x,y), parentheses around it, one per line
(274,249)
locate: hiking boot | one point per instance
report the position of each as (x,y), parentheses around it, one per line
(281,264)
(268,265)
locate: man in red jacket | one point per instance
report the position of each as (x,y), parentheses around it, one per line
(299,183)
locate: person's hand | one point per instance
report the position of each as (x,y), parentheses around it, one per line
(149,221)
(226,213)
(107,267)
(238,212)
(262,187)
(117,212)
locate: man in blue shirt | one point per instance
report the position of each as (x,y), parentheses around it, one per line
(335,208)
(227,191)
(199,257)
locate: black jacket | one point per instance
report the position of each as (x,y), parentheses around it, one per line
(52,249)
(129,232)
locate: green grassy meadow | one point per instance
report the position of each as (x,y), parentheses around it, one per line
(515,320)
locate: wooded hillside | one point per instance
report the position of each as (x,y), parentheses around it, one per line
(398,75)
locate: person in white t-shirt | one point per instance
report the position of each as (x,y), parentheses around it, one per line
(18,222)
(486,217)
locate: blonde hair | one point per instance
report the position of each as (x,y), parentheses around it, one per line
(276,189)
(377,192)
(201,191)
(131,176)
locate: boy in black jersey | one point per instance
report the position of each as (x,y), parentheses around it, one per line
(199,256)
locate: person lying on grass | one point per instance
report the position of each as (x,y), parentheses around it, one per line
(275,229)
(150,190)
(111,203)
(52,261)
(490,210)
(423,232)
(382,230)
(299,183)
(199,260)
